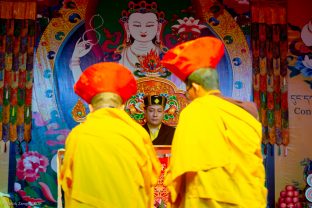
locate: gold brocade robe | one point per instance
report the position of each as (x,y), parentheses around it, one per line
(109,162)
(216,157)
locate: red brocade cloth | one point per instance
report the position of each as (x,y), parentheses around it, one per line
(17,41)
(161,193)
(269,50)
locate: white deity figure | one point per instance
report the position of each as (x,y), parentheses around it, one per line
(142,37)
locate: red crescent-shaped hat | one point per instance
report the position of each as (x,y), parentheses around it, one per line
(185,58)
(106,77)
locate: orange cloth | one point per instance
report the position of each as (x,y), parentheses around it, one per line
(106,77)
(18,9)
(187,57)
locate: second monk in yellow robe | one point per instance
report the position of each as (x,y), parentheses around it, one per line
(216,151)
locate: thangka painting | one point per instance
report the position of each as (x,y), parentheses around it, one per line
(299,65)
(300,58)
(76,34)
(137,35)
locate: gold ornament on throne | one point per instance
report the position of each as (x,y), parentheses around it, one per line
(79,112)
(176,99)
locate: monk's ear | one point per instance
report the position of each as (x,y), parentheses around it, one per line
(91,108)
(122,106)
(196,86)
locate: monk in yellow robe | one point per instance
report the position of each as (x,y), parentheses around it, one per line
(216,150)
(109,159)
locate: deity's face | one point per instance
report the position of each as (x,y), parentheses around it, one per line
(143,27)
(154,115)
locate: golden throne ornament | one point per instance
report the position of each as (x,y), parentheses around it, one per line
(79,112)
(176,99)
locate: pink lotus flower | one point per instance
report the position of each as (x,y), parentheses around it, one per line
(30,165)
(188,28)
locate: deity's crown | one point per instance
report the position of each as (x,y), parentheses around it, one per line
(142,7)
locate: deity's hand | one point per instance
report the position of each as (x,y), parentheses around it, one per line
(82,47)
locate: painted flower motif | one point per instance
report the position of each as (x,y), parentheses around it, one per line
(305,66)
(307,62)
(188,28)
(30,165)
(306,34)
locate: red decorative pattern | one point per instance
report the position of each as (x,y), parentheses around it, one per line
(161,193)
(269,74)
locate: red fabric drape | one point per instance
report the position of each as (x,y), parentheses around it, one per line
(17,20)
(269,51)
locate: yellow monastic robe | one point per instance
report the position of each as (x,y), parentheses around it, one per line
(109,162)
(5,201)
(216,157)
